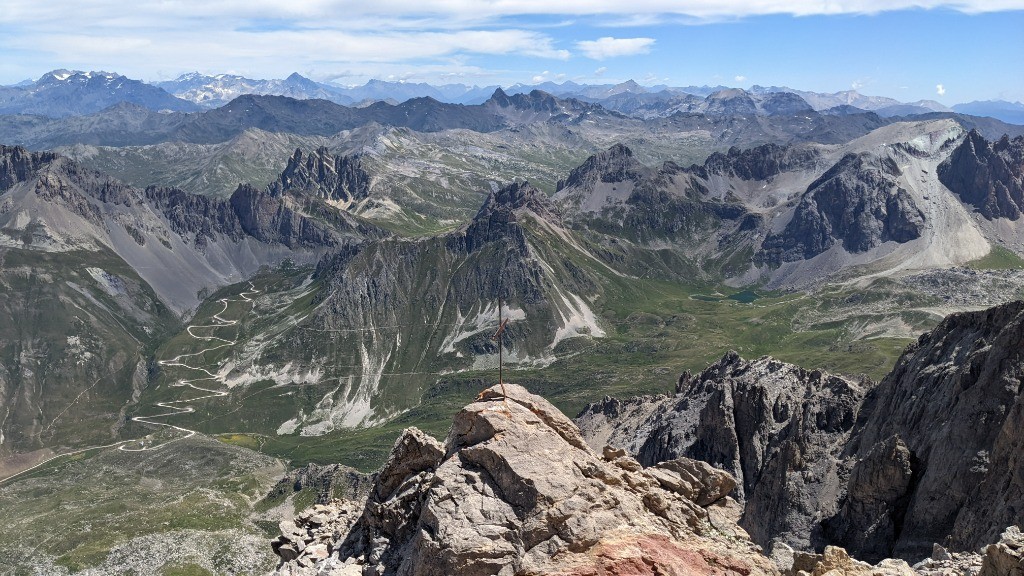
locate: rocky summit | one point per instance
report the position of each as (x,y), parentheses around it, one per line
(514,489)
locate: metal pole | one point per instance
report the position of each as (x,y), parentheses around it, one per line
(501,366)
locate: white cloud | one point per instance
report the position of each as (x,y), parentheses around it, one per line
(546,76)
(144,38)
(340,11)
(600,71)
(276,50)
(940,89)
(608,47)
(739,78)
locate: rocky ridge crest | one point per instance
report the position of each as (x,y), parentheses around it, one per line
(886,470)
(514,489)
(771,424)
(324,175)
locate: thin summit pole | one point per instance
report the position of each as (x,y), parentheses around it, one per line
(502,322)
(501,364)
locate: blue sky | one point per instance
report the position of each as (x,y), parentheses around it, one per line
(906,49)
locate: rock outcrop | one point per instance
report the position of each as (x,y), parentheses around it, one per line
(328,482)
(499,215)
(929,455)
(1006,557)
(759,163)
(987,175)
(18,164)
(876,498)
(617,164)
(771,424)
(857,204)
(514,489)
(954,400)
(339,179)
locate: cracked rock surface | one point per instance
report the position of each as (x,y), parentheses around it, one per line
(514,489)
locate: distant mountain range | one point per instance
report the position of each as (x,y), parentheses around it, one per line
(72,93)
(67,93)
(216,91)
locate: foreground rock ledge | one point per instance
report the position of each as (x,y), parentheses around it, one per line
(514,489)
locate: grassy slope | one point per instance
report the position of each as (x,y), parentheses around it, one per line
(656,329)
(68,348)
(999,258)
(73,511)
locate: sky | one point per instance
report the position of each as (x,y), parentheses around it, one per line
(911,50)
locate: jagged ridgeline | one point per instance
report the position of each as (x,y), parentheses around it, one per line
(368,321)
(376,323)
(96,274)
(928,455)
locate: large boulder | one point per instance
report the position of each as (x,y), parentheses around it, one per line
(515,489)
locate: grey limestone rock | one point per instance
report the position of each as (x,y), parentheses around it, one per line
(987,175)
(954,399)
(857,204)
(773,425)
(1006,557)
(324,175)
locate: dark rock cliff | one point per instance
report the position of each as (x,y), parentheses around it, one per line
(758,163)
(771,424)
(616,164)
(18,164)
(954,403)
(987,175)
(323,175)
(857,204)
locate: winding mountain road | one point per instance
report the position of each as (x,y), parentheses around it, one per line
(173,406)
